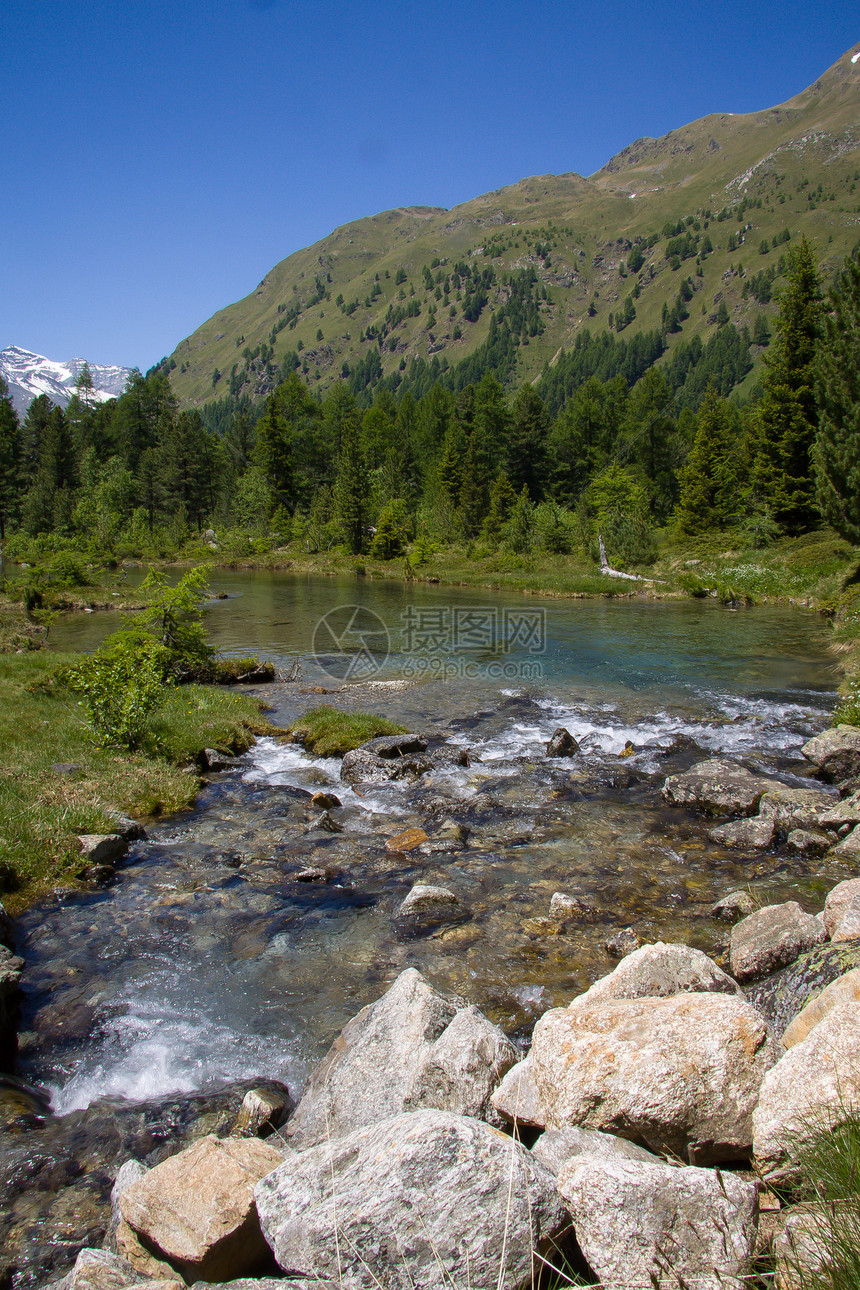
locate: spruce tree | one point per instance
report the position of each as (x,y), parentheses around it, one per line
(352,485)
(709,482)
(787,418)
(836,453)
(10,460)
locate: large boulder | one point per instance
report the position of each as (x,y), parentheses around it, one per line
(517,1099)
(835,753)
(845,989)
(771,938)
(658,971)
(424,1199)
(794,808)
(412,1048)
(678,1075)
(555,1147)
(386,758)
(842,910)
(810,1090)
(644,1223)
(754,834)
(717,787)
(196,1209)
(783,995)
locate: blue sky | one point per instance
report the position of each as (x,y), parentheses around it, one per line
(158,158)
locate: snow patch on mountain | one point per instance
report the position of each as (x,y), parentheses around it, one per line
(28,375)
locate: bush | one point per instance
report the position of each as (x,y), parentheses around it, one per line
(121,685)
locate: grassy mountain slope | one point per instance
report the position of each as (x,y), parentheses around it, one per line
(738,182)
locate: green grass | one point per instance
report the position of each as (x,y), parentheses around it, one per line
(326,732)
(829,1178)
(42,725)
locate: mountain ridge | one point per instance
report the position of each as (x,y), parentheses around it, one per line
(29,375)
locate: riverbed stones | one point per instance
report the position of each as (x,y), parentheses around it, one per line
(196,1209)
(791,807)
(717,787)
(845,989)
(659,971)
(434,1052)
(622,942)
(848,849)
(754,834)
(562,744)
(408,840)
(325,801)
(426,1199)
(262,1111)
(678,1075)
(517,1100)
(772,938)
(427,901)
(102,848)
(733,907)
(381,760)
(812,1089)
(646,1224)
(835,753)
(811,842)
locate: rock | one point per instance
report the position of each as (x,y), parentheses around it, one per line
(565,908)
(327,824)
(365,765)
(736,905)
(391,747)
(403,1034)
(835,753)
(794,808)
(809,841)
(325,801)
(678,1075)
(267,1283)
(102,848)
(643,1223)
(450,755)
(801,1247)
(849,848)
(659,971)
(406,841)
(262,1111)
(621,943)
(845,812)
(843,901)
(126,827)
(555,1147)
(717,787)
(425,900)
(562,744)
(755,834)
(782,996)
(845,989)
(100,1270)
(771,938)
(812,1089)
(212,759)
(425,1199)
(129,1247)
(196,1209)
(313,873)
(129,1172)
(517,1099)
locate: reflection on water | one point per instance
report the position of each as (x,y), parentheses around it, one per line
(209,960)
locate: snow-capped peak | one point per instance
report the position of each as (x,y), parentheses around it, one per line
(28,375)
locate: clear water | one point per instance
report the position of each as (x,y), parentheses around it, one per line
(208,961)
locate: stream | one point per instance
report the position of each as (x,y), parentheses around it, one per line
(208,964)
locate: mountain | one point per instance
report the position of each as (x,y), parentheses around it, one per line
(676,234)
(29,375)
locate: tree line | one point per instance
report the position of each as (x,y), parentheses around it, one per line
(617,436)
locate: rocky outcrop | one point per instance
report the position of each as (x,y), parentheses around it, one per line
(772,938)
(835,753)
(810,1090)
(196,1209)
(717,787)
(424,1199)
(433,1052)
(659,971)
(645,1224)
(678,1075)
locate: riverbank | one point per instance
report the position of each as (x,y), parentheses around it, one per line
(56,783)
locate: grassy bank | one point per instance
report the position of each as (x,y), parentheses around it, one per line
(44,805)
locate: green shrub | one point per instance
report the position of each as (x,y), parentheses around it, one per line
(121,685)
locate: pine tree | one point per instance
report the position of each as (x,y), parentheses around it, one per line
(352,485)
(502,501)
(10,460)
(787,418)
(710,480)
(473,490)
(836,454)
